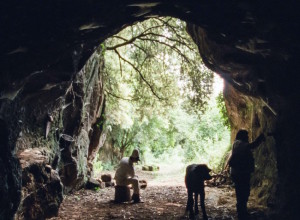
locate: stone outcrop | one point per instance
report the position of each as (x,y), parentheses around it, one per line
(255,116)
(10,176)
(257,99)
(49,103)
(42,189)
(51,123)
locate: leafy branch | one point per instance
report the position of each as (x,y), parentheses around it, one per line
(150,59)
(118,97)
(140,73)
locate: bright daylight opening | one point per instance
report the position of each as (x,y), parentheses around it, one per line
(162,100)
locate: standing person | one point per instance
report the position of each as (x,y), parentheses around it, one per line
(125,174)
(242,165)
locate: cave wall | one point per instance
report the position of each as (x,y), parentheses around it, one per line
(252,114)
(10,176)
(48,151)
(258,100)
(274,181)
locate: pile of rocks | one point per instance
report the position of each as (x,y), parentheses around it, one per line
(150,168)
(104,181)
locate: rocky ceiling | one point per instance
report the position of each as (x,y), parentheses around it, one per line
(39,36)
(252,44)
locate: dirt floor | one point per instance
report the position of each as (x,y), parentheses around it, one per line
(164,198)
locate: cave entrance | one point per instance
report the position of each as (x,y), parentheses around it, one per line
(170,141)
(161,99)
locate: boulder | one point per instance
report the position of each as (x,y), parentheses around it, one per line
(92,184)
(106,178)
(41,186)
(109,184)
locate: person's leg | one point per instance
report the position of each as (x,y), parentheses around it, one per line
(136,188)
(242,187)
(135,185)
(239,194)
(246,193)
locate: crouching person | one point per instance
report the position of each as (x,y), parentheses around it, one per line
(125,174)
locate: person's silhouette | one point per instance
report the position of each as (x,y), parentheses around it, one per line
(241,163)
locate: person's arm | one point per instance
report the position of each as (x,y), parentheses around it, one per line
(130,171)
(257,141)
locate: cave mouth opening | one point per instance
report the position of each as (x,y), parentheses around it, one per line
(161,99)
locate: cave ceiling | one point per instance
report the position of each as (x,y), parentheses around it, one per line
(247,42)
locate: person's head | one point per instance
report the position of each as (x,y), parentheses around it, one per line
(135,156)
(242,135)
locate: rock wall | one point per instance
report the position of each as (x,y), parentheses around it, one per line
(256,101)
(252,114)
(47,145)
(10,176)
(275,180)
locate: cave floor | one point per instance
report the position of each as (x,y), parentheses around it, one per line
(164,198)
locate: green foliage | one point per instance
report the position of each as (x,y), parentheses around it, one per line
(153,64)
(99,124)
(123,137)
(156,134)
(199,140)
(108,166)
(223,110)
(103,48)
(97,189)
(158,96)
(204,140)
(97,166)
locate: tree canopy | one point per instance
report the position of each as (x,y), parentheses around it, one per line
(156,88)
(153,63)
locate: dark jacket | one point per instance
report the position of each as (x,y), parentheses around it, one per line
(241,160)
